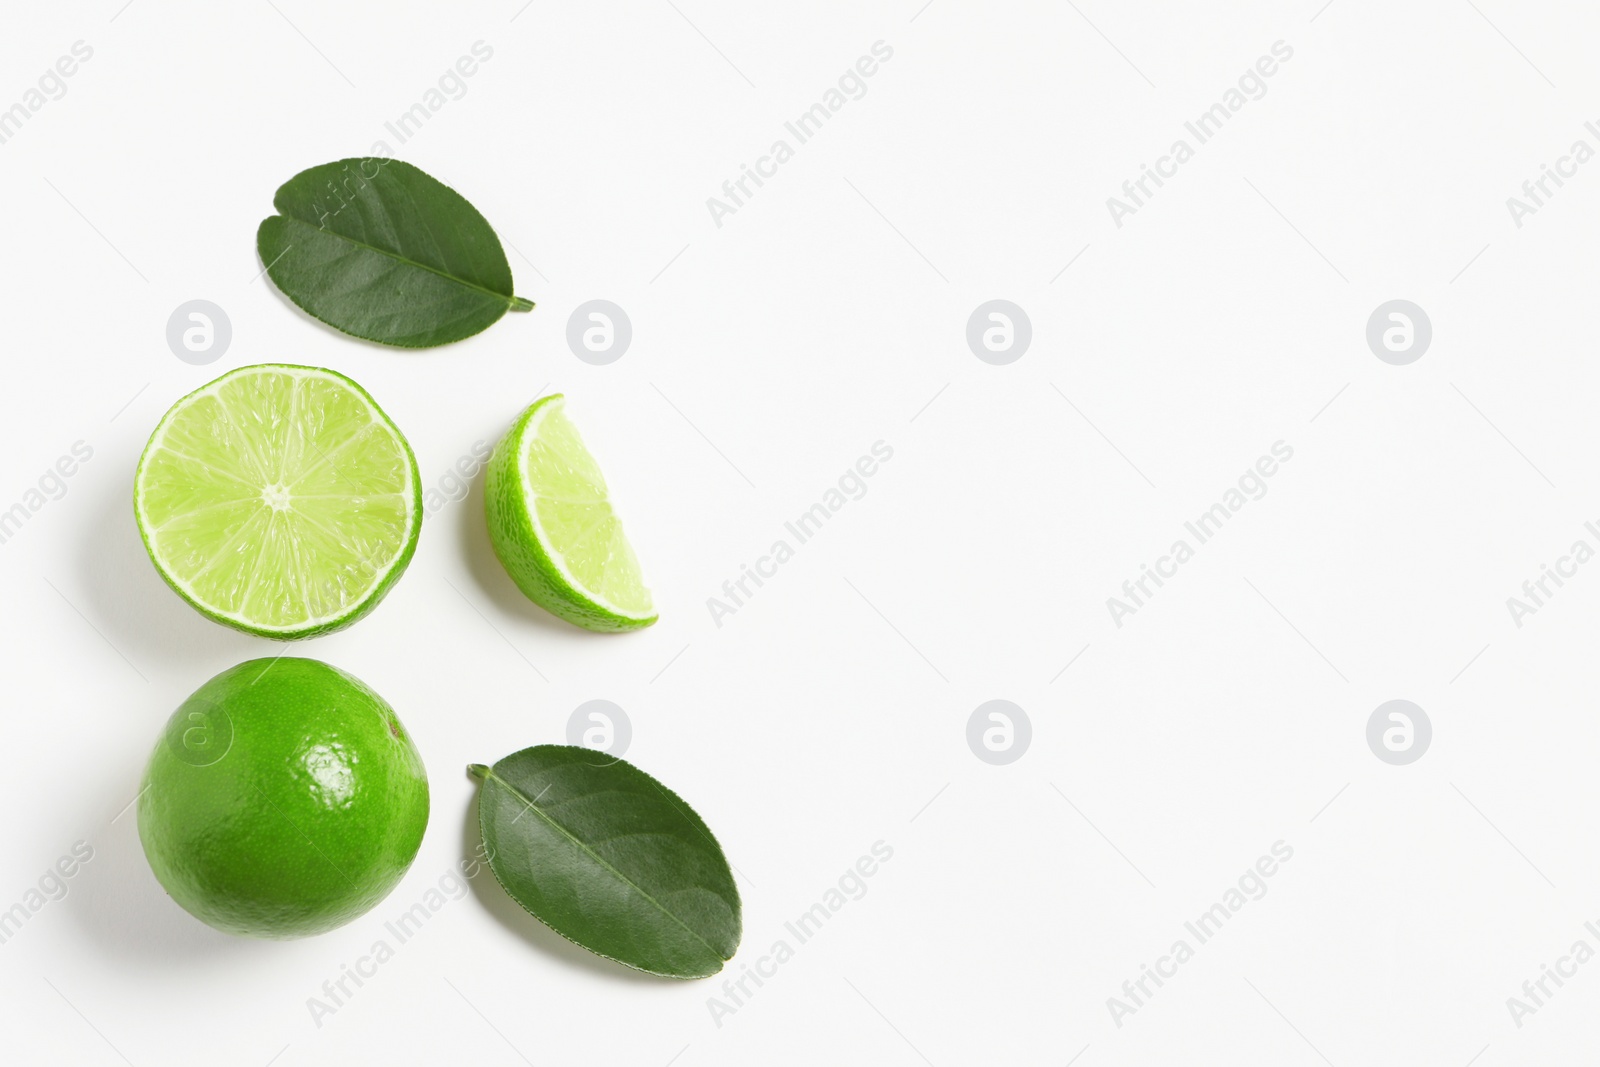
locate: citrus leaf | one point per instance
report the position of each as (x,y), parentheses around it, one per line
(378,249)
(609,858)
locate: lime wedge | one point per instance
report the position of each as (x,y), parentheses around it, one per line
(279,500)
(551,524)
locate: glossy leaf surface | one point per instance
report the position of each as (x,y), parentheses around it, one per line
(378,249)
(609,858)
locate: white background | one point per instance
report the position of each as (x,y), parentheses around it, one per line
(830,712)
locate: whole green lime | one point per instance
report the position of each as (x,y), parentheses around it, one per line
(283,799)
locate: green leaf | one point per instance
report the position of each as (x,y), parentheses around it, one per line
(609,858)
(378,249)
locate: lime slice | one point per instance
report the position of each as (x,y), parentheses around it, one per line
(551,524)
(279,500)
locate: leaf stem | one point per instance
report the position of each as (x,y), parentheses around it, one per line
(478,771)
(519,304)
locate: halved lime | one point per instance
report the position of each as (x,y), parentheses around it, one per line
(279,500)
(551,524)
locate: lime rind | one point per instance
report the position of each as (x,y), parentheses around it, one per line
(345,532)
(284,799)
(553,527)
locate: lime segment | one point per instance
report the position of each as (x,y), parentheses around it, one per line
(552,525)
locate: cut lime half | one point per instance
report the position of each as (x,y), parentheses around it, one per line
(551,524)
(279,500)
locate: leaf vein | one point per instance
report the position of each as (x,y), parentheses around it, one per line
(508,298)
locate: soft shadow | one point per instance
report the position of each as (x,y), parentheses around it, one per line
(143,618)
(115,897)
(487,571)
(509,914)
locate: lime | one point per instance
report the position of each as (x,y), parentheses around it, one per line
(279,500)
(283,799)
(551,524)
